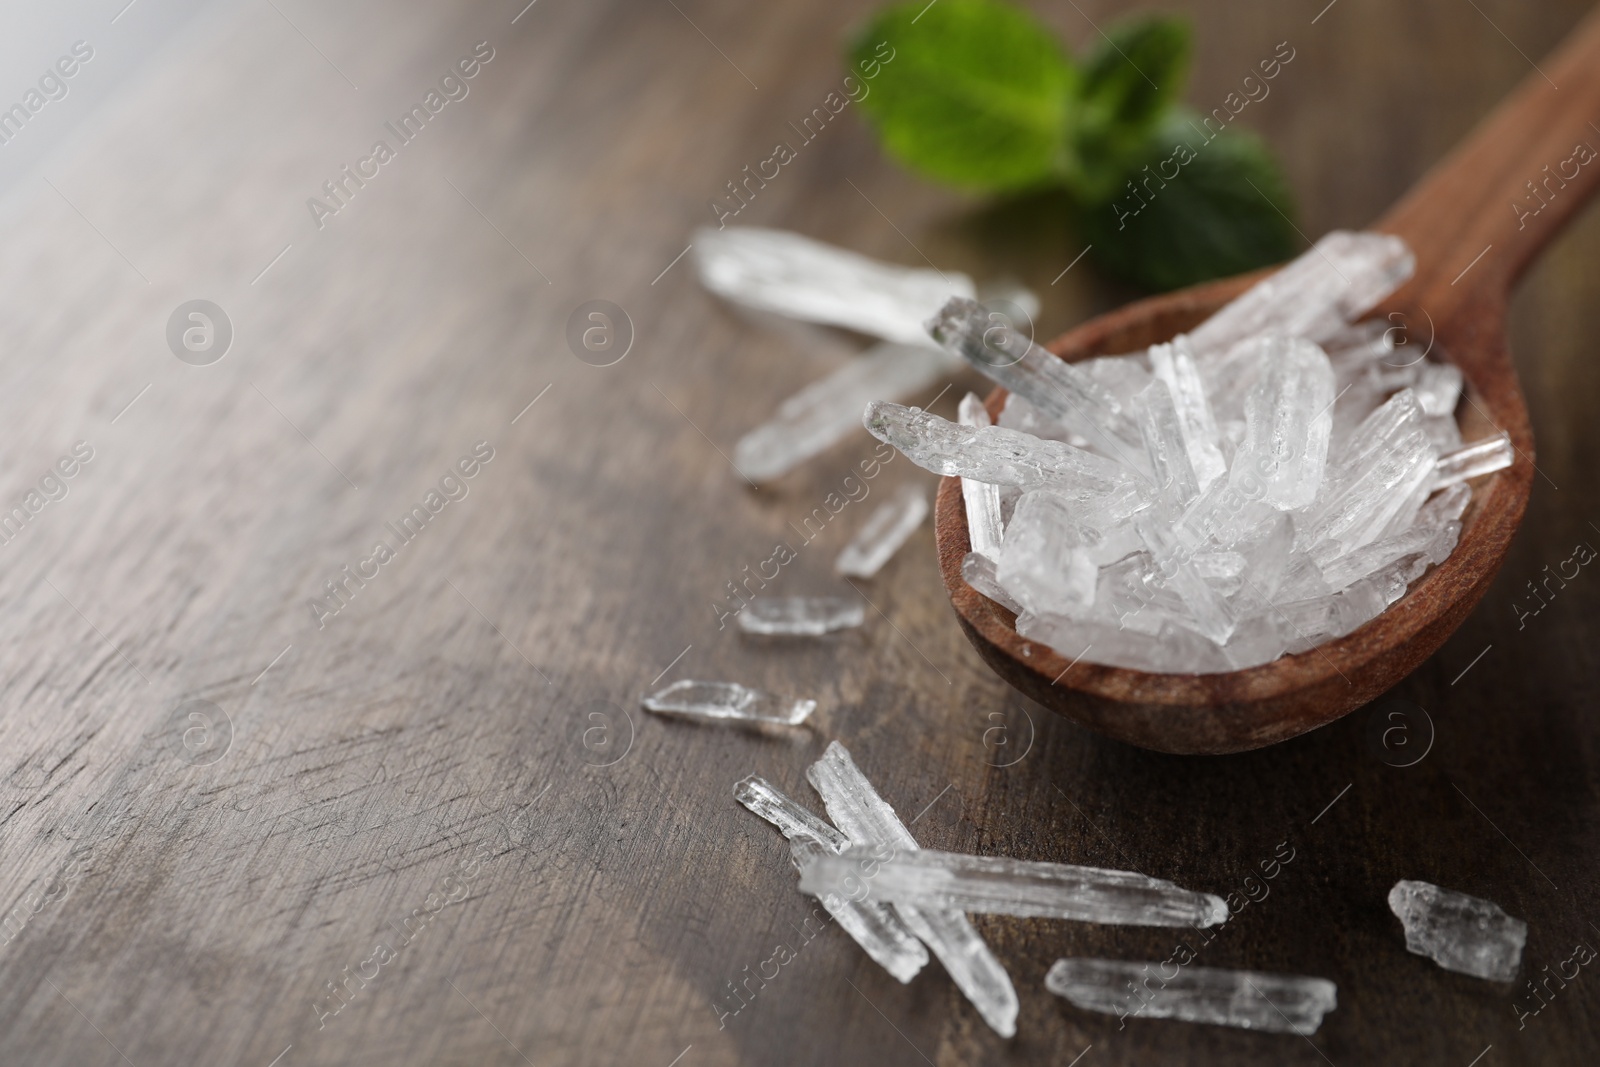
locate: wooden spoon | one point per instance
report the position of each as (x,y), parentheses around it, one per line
(1472,243)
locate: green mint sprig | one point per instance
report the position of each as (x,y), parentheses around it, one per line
(982,97)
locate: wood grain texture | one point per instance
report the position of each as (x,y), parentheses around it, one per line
(467,728)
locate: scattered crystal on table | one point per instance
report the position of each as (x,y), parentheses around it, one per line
(1269,482)
(800,616)
(999,885)
(794,276)
(1251,1000)
(885,530)
(873,925)
(829,409)
(785,273)
(727,702)
(866,819)
(1459,932)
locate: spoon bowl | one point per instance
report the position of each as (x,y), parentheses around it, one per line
(1471,242)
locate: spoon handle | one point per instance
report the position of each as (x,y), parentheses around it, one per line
(1479,218)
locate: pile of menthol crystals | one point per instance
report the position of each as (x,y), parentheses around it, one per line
(1267,482)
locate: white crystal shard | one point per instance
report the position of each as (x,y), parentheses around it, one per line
(1379,430)
(1054,386)
(1447,506)
(1459,932)
(1288,417)
(785,273)
(1271,548)
(1380,476)
(1438,388)
(1164,444)
(982,499)
(1358,345)
(1019,414)
(1407,513)
(1315,297)
(885,530)
(980,573)
(1443,433)
(1044,564)
(992,453)
(1335,282)
(855,806)
(1174,364)
(727,702)
(998,885)
(1475,460)
(794,820)
(1122,377)
(829,410)
(1250,1000)
(1358,356)
(873,925)
(1435,542)
(1209,613)
(1171,649)
(1225,513)
(1302,578)
(1317,619)
(858,810)
(800,616)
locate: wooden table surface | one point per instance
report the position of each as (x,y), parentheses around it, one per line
(443,794)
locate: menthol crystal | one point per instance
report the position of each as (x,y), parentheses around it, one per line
(885,530)
(795,821)
(1341,278)
(1262,485)
(979,572)
(1475,460)
(787,274)
(968,329)
(999,885)
(1459,932)
(982,499)
(1174,365)
(1250,1000)
(727,702)
(1288,418)
(801,616)
(867,819)
(873,925)
(829,409)
(992,453)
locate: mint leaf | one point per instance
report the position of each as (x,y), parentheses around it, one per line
(977,93)
(1195,209)
(973,93)
(1130,80)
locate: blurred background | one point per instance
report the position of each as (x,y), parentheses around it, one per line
(464,727)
